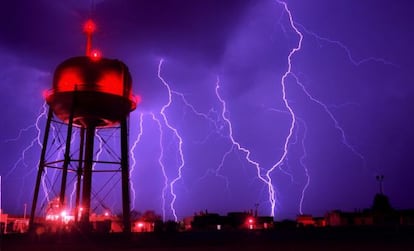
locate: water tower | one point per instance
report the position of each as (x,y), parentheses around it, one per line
(89,93)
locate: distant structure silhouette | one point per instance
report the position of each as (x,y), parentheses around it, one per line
(381,202)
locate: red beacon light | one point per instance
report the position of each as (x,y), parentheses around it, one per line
(95,55)
(89,27)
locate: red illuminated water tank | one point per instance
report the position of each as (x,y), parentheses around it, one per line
(97,91)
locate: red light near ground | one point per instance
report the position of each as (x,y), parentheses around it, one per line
(89,27)
(250,223)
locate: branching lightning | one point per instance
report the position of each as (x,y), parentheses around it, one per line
(302,139)
(35,140)
(178,137)
(222,125)
(337,126)
(296,126)
(168,188)
(351,58)
(161,163)
(296,27)
(237,145)
(272,195)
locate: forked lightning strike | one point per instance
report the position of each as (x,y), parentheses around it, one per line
(224,112)
(178,137)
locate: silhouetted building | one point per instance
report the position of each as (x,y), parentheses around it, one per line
(232,221)
(380,214)
(406,217)
(305,220)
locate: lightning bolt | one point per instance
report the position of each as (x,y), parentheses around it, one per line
(35,140)
(301,159)
(302,163)
(217,170)
(161,163)
(217,129)
(100,148)
(195,111)
(57,142)
(169,186)
(59,152)
(72,194)
(264,175)
(21,132)
(160,157)
(166,187)
(351,58)
(277,165)
(177,136)
(289,73)
(337,126)
(132,154)
(239,147)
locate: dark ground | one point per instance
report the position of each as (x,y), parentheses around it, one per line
(288,239)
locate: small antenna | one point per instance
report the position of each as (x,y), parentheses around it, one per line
(89,28)
(380,179)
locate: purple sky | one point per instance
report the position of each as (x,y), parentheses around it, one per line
(355,61)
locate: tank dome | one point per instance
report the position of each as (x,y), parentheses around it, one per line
(98,92)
